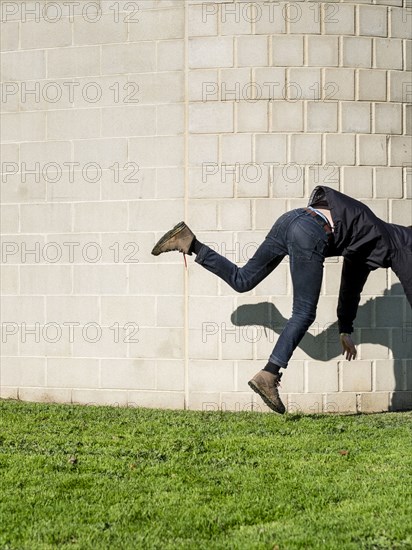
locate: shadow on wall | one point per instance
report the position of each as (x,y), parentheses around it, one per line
(391,331)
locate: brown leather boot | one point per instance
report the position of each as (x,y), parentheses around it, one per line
(266,385)
(179,238)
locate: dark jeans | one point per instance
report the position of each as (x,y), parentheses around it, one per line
(299,235)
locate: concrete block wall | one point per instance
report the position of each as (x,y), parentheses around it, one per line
(120,119)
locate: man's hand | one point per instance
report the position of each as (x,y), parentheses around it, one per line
(348,346)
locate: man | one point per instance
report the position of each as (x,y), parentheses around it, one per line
(333,224)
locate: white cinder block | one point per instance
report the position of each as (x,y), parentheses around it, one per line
(373,20)
(170,119)
(208,118)
(388,182)
(45,279)
(402,212)
(170,375)
(287,116)
(388,118)
(252,117)
(342,402)
(67,124)
(100,216)
(23,126)
(400,23)
(204,342)
(99,279)
(303,18)
(130,120)
(252,51)
(374,402)
(306,148)
(270,148)
(357,52)
(210,52)
(128,309)
(170,55)
(339,18)
(310,403)
(76,309)
(287,51)
(107,30)
(270,19)
(340,149)
(388,53)
(202,21)
(160,24)
(372,150)
(355,117)
(43,34)
(236,19)
(128,374)
(44,152)
(157,342)
(150,280)
(72,373)
(357,181)
(157,151)
(322,51)
(157,215)
(23,65)
(322,116)
(203,148)
(304,83)
(9,279)
(211,181)
(236,149)
(287,181)
(204,85)
(339,84)
(169,312)
(356,376)
(45,218)
(104,152)
(268,84)
(9,34)
(235,214)
(267,211)
(73,61)
(128,58)
(322,378)
(372,85)
(401,150)
(208,376)
(400,86)
(27,371)
(149,88)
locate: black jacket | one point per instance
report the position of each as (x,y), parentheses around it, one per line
(366,242)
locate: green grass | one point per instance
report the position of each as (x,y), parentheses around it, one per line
(101,477)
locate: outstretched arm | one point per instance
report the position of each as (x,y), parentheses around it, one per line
(353,279)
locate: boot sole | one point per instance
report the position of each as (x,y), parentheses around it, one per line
(266,399)
(176,229)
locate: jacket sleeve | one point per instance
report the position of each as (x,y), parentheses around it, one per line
(353,279)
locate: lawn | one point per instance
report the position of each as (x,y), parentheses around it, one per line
(101,477)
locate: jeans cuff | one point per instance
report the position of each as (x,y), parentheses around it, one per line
(279,362)
(200,256)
